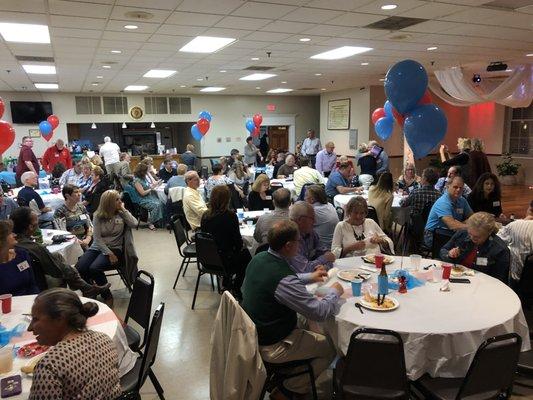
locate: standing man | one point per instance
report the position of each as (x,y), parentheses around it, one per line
(124,171)
(27,160)
(382,157)
(311,147)
(111,154)
(326,159)
(56,154)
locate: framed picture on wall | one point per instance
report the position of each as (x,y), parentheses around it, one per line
(34,133)
(339,114)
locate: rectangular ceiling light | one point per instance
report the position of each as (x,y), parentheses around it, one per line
(211,89)
(206,44)
(341,52)
(46,85)
(159,73)
(24,33)
(135,88)
(40,69)
(279,90)
(256,77)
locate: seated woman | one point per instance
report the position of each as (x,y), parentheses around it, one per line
(380,197)
(487,196)
(288,168)
(73,216)
(113,241)
(271,158)
(358,235)
(218,178)
(260,196)
(86,180)
(240,177)
(223,225)
(82,364)
(146,195)
(15,265)
(151,175)
(409,181)
(94,192)
(479,248)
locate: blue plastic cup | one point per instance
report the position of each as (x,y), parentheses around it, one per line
(356,287)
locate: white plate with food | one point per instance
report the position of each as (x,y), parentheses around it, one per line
(371,302)
(371,259)
(459,270)
(354,273)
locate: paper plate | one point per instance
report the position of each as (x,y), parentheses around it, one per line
(373,306)
(350,274)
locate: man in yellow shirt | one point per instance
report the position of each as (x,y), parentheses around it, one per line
(304,175)
(193,203)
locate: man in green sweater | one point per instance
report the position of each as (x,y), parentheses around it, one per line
(273,295)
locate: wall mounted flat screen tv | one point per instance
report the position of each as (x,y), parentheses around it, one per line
(30,112)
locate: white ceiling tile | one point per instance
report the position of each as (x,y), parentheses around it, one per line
(512,20)
(474,15)
(247,44)
(23,18)
(76,33)
(120,44)
(119,12)
(263,10)
(195,19)
(313,15)
(286,2)
(159,46)
(143,27)
(61,7)
(267,36)
(374,7)
(365,33)
(211,6)
(328,30)
(314,40)
(179,30)
(33,6)
(286,27)
(62,21)
(433,10)
(345,5)
(355,19)
(60,41)
(126,36)
(176,41)
(229,33)
(242,23)
(159,4)
(432,27)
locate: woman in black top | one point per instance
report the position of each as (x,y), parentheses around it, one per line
(487,196)
(367,161)
(223,225)
(260,196)
(94,192)
(464,145)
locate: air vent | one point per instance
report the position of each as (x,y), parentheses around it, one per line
(35,59)
(308,88)
(156,105)
(142,15)
(109,62)
(399,36)
(88,105)
(200,86)
(258,68)
(508,4)
(395,23)
(179,105)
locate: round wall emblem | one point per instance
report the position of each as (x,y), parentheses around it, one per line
(136,112)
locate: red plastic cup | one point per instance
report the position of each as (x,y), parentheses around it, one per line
(5,299)
(378,260)
(446,270)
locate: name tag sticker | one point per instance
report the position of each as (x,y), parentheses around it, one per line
(23,266)
(459,211)
(268,197)
(495,204)
(482,261)
(56,155)
(118,221)
(83,217)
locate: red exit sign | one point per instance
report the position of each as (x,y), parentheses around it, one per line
(271,107)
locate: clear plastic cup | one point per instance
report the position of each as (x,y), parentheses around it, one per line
(250,222)
(415,260)
(6,359)
(437,273)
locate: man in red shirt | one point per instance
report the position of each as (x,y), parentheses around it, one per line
(27,160)
(56,154)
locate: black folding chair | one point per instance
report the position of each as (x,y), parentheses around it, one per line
(275,186)
(441,236)
(134,379)
(374,368)
(524,288)
(188,252)
(415,230)
(490,375)
(279,372)
(373,214)
(129,396)
(139,309)
(340,213)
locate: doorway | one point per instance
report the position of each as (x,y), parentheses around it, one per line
(278,137)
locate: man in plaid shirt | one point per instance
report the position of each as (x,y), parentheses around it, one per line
(425,194)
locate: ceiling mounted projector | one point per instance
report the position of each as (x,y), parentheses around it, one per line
(496,66)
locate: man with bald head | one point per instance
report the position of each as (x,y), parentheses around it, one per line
(57,154)
(193,203)
(27,196)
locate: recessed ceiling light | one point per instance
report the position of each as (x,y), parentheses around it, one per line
(222,70)
(40,69)
(206,44)
(364,63)
(318,74)
(283,81)
(116,51)
(159,73)
(135,88)
(211,89)
(256,77)
(529,55)
(305,39)
(432,48)
(130,27)
(341,52)
(182,86)
(279,90)
(199,79)
(99,77)
(24,33)
(382,79)
(255,58)
(94,84)
(389,7)
(323,89)
(258,87)
(106,66)
(46,85)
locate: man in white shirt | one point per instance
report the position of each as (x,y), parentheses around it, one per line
(110,152)
(311,146)
(304,175)
(193,203)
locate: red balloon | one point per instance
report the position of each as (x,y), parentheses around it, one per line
(256,131)
(426,98)
(258,119)
(2,107)
(400,119)
(53,120)
(7,136)
(203,125)
(48,137)
(377,114)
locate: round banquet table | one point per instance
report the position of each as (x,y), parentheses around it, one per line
(104,321)
(70,250)
(247,231)
(441,331)
(52,200)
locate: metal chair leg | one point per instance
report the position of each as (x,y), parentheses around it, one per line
(156,384)
(212,282)
(196,289)
(178,276)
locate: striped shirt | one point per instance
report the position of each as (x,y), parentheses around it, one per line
(518,235)
(419,197)
(305,175)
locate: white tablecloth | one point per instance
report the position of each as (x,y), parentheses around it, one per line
(247,231)
(52,200)
(441,331)
(105,321)
(70,250)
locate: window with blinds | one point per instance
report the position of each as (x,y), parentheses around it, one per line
(156,105)
(115,105)
(179,105)
(88,105)
(521,134)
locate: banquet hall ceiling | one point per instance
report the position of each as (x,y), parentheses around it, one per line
(83,33)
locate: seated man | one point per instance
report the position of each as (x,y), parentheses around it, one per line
(425,194)
(339,181)
(27,196)
(124,174)
(193,202)
(273,295)
(282,200)
(53,266)
(280,160)
(168,171)
(453,171)
(305,174)
(71,175)
(7,205)
(449,211)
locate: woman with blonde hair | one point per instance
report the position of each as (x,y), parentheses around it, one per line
(260,196)
(478,247)
(478,162)
(409,180)
(240,176)
(380,197)
(464,145)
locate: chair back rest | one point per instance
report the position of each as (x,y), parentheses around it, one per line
(261,248)
(152,342)
(127,199)
(179,232)
(372,214)
(208,254)
(441,236)
(304,189)
(140,305)
(340,213)
(275,186)
(129,396)
(22,202)
(375,361)
(493,367)
(525,286)
(204,172)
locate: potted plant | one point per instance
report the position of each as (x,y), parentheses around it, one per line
(508,170)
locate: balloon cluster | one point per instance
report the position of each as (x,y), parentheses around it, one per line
(47,127)
(201,127)
(409,103)
(7,132)
(253,125)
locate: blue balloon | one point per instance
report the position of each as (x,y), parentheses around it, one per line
(45,128)
(384,127)
(250,126)
(388,109)
(424,128)
(196,134)
(405,84)
(205,114)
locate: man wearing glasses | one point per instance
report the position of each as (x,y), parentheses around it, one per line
(27,160)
